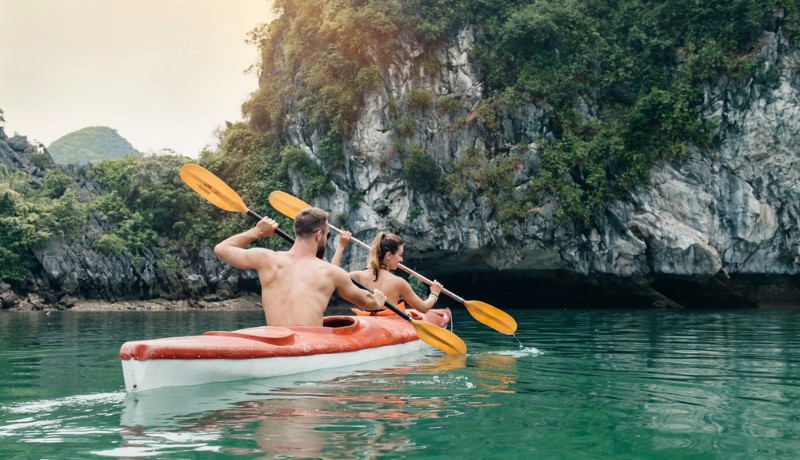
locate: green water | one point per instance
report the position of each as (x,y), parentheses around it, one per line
(571,384)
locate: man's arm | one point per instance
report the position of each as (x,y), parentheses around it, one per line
(232,249)
(354,294)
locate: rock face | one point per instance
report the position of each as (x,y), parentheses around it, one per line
(718,228)
(70,270)
(17,154)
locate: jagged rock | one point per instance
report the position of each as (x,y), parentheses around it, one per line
(705,224)
(8,298)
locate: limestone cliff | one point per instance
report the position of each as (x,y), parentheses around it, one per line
(718,228)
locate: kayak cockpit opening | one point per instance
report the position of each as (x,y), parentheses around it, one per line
(338,321)
(342,325)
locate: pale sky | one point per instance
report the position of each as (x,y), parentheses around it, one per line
(164,73)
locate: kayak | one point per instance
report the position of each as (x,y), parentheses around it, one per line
(271,351)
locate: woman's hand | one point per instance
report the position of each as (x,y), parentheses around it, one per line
(344,238)
(436,288)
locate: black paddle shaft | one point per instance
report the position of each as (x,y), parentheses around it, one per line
(288,238)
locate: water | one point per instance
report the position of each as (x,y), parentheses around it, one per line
(571,384)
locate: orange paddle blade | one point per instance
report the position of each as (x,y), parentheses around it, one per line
(440,338)
(286,204)
(211,187)
(491,316)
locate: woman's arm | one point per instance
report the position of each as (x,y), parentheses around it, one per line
(413,300)
(344,238)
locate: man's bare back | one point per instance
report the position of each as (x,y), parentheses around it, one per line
(295,290)
(297,284)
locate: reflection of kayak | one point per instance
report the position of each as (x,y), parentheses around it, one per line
(268,351)
(400,306)
(176,408)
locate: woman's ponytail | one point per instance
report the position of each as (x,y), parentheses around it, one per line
(382,244)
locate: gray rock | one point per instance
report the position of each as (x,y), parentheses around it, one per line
(730,209)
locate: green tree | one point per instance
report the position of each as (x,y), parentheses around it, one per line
(420,170)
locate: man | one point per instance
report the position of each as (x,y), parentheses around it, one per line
(297,284)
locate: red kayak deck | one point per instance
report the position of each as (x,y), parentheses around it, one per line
(338,335)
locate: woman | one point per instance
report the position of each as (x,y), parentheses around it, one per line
(385,254)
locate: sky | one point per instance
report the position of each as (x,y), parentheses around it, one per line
(164,73)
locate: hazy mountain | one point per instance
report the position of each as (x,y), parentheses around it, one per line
(91,145)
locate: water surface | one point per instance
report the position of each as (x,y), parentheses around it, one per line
(570,384)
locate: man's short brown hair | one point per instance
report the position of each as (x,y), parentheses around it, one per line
(309,220)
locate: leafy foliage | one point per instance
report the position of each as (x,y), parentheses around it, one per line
(330,151)
(642,65)
(30,215)
(144,199)
(420,170)
(622,80)
(329,79)
(420,100)
(110,244)
(16,234)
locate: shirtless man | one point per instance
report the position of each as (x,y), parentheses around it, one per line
(297,284)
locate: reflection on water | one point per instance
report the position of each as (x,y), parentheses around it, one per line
(350,412)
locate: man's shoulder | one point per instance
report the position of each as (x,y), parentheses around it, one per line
(332,268)
(316,264)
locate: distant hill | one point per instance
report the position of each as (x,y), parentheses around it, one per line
(91,145)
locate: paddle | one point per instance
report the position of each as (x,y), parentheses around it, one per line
(217,192)
(493,317)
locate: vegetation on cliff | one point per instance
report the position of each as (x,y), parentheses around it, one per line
(31,213)
(624,80)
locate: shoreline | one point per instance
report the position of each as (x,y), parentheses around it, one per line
(246,302)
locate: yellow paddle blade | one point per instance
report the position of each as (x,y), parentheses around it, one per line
(491,316)
(438,337)
(287,204)
(211,187)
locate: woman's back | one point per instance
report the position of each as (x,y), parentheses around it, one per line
(388,283)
